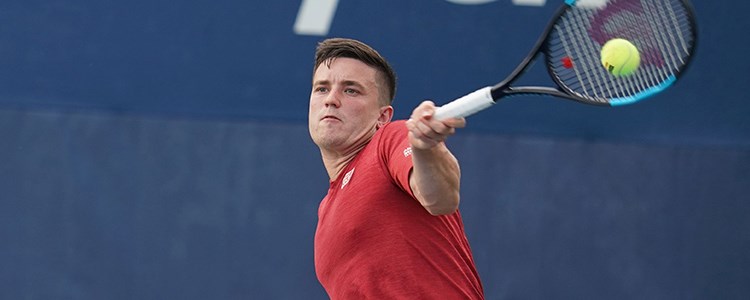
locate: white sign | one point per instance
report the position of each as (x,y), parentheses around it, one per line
(315,16)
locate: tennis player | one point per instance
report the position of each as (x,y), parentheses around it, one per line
(389,227)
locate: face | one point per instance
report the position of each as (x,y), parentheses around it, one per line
(345,105)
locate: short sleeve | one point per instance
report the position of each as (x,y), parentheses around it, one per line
(395,152)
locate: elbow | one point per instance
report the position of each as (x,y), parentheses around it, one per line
(445,207)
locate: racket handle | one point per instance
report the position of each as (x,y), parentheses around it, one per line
(466,105)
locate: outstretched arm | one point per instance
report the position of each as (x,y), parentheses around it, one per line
(435,178)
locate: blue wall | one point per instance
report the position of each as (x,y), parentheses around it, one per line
(230,58)
(154,150)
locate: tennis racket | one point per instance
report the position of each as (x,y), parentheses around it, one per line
(663,31)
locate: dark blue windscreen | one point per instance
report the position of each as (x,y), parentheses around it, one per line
(240,59)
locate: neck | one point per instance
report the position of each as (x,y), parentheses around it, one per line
(335,162)
(337,157)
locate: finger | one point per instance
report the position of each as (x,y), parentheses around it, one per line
(455,122)
(424,110)
(425,131)
(446,127)
(435,131)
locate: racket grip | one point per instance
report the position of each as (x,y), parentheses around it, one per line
(466,105)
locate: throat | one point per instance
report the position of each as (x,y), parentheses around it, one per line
(336,164)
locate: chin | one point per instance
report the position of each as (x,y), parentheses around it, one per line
(326,141)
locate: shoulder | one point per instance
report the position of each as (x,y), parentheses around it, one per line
(392,139)
(393,128)
(391,134)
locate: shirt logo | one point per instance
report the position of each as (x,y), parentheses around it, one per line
(407,151)
(347,177)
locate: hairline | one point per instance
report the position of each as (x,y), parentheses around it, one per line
(381,79)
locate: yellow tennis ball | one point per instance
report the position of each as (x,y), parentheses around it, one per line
(620,57)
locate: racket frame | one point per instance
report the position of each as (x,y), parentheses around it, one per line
(487,96)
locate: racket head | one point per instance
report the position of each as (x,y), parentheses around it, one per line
(663,31)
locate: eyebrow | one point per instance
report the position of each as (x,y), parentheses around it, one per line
(345,82)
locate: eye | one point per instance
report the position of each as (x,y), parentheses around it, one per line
(320,89)
(351,91)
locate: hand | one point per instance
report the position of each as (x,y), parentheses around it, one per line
(426,132)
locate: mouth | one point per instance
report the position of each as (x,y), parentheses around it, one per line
(329,117)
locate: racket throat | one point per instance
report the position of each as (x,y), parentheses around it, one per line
(532,90)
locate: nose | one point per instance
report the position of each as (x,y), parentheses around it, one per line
(332,99)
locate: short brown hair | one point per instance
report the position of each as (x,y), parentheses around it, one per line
(332,48)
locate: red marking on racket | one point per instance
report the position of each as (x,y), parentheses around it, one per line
(567,62)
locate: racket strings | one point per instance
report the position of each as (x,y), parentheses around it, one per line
(650,76)
(661,29)
(673,41)
(657,40)
(582,74)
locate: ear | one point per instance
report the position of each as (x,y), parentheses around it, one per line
(386,113)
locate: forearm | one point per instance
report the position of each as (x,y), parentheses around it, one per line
(435,179)
(436,176)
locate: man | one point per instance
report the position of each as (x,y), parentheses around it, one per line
(389,227)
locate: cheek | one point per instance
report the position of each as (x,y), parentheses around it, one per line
(312,113)
(314,106)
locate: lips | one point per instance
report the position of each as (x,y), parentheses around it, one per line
(330,117)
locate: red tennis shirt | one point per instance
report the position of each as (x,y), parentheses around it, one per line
(374,240)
